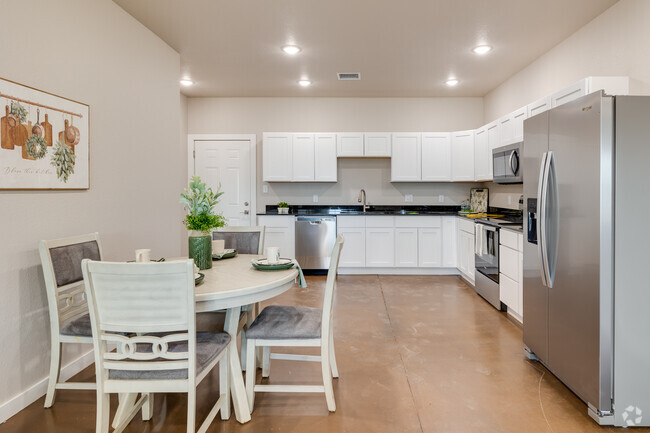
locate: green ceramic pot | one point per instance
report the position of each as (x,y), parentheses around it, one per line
(200,249)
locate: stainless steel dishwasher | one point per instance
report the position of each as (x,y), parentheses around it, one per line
(315,238)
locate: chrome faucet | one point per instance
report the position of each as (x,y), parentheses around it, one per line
(362,193)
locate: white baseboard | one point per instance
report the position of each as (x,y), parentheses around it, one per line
(398,271)
(19,402)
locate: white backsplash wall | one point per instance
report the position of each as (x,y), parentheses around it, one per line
(258,115)
(504,195)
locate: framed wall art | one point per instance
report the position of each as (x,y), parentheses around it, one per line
(44,140)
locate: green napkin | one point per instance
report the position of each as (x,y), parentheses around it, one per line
(301,277)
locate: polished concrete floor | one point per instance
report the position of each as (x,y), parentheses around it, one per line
(415,354)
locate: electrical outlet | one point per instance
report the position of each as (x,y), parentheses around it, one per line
(509,199)
(441,198)
(315,198)
(265,189)
(408,198)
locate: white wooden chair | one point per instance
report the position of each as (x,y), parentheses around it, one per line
(69,319)
(154,301)
(246,240)
(296,326)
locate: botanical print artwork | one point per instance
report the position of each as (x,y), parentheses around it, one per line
(44,140)
(479,199)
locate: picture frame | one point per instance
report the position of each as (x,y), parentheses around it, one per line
(44,140)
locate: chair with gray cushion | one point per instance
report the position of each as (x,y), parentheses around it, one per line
(296,326)
(246,240)
(69,319)
(147,310)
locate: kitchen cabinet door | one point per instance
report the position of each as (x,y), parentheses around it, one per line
(569,93)
(377,144)
(405,165)
(539,106)
(380,247)
(406,247)
(518,118)
(449,242)
(280,232)
(430,248)
(481,153)
(466,255)
(303,158)
(436,156)
(462,156)
(493,131)
(509,292)
(353,254)
(349,144)
(277,157)
(325,163)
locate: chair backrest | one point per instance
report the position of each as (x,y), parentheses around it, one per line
(330,286)
(142,298)
(244,239)
(61,261)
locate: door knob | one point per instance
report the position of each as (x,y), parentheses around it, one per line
(245,203)
(246,212)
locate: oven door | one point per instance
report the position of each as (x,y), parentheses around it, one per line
(486,250)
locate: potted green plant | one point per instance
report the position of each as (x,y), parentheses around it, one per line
(283,208)
(199,202)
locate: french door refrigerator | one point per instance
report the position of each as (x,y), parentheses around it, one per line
(586,166)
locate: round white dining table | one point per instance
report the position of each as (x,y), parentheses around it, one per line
(231,284)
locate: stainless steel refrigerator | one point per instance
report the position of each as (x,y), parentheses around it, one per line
(586,168)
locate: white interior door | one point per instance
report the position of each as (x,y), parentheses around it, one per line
(227,163)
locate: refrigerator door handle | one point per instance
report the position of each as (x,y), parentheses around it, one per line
(544,223)
(551,219)
(541,193)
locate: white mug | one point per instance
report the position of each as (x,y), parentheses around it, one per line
(273,255)
(218,246)
(143,255)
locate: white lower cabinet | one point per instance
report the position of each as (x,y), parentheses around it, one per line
(449,242)
(466,248)
(353,254)
(511,272)
(430,247)
(406,247)
(380,247)
(280,232)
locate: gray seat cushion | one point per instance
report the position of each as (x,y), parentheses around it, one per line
(208,346)
(243,242)
(77,326)
(278,322)
(66,261)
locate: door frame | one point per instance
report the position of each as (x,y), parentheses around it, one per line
(251,138)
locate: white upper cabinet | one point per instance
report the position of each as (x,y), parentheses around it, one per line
(277,157)
(539,106)
(349,144)
(436,156)
(299,157)
(568,94)
(481,155)
(325,168)
(611,86)
(406,163)
(377,144)
(462,156)
(512,126)
(493,131)
(303,157)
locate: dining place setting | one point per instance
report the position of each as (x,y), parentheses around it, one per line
(142,317)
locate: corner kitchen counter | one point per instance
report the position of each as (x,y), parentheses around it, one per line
(335,210)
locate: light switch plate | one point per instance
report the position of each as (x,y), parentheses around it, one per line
(441,198)
(265,189)
(315,198)
(408,198)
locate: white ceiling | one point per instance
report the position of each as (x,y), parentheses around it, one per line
(401,48)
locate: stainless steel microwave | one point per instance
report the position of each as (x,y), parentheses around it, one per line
(506,164)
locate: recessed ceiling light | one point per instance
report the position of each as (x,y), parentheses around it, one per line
(186,82)
(452,82)
(482,49)
(304,83)
(291,49)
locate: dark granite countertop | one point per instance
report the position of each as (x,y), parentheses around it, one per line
(358,210)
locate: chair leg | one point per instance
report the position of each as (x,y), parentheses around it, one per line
(147,408)
(55,368)
(335,369)
(103,412)
(266,361)
(191,410)
(251,371)
(327,377)
(127,400)
(243,349)
(224,386)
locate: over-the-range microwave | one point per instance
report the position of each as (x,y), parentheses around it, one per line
(506,164)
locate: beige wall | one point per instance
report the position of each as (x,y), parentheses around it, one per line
(93,52)
(258,115)
(613,44)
